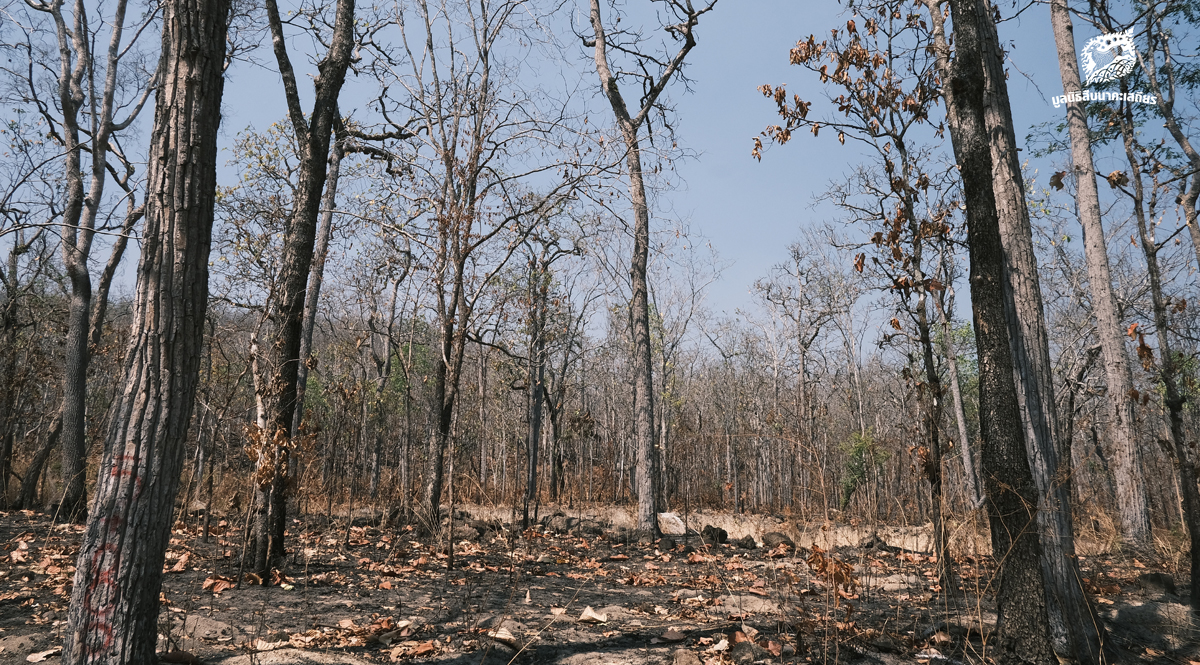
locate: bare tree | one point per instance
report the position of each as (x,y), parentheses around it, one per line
(1131,491)
(115,599)
(281,360)
(82,116)
(607,42)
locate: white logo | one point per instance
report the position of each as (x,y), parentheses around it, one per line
(1108,57)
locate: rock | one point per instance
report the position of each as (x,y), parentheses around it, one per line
(714,535)
(747,604)
(747,543)
(775,539)
(1157,583)
(744,653)
(684,657)
(1163,626)
(670,524)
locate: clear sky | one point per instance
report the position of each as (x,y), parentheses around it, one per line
(749,211)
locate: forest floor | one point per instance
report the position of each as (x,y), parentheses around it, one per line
(576,591)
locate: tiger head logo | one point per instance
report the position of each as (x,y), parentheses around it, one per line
(1108,57)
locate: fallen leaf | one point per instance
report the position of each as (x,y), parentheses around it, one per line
(774,648)
(502,635)
(426,648)
(263,645)
(42,655)
(216,584)
(591,616)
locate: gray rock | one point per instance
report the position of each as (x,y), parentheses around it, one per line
(670,524)
(744,653)
(775,539)
(747,543)
(714,535)
(684,657)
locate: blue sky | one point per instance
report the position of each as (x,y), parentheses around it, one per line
(748,211)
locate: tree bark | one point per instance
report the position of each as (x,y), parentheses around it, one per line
(1022,627)
(648,473)
(1074,626)
(1168,368)
(1131,491)
(114,602)
(313,134)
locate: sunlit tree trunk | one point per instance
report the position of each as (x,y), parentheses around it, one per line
(114,601)
(1131,491)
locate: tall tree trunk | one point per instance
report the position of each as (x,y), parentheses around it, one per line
(114,602)
(1022,627)
(313,133)
(316,276)
(1168,368)
(27,498)
(1131,491)
(1074,626)
(970,479)
(536,378)
(648,469)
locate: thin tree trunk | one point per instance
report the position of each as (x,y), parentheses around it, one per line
(33,474)
(313,133)
(648,469)
(1131,491)
(114,602)
(1173,399)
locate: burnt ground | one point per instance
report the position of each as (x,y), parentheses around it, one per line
(364,594)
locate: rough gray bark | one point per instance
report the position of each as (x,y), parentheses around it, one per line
(317,275)
(114,602)
(648,471)
(1022,629)
(313,136)
(1074,625)
(1131,490)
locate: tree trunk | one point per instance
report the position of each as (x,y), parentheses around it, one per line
(27,498)
(1074,626)
(1022,622)
(1131,491)
(114,601)
(648,470)
(1168,364)
(316,277)
(313,135)
(970,479)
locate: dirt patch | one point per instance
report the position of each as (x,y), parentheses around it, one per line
(361,594)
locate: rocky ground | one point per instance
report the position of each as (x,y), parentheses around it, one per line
(576,590)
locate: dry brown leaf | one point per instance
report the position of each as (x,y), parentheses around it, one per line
(42,655)
(424,648)
(591,616)
(217,583)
